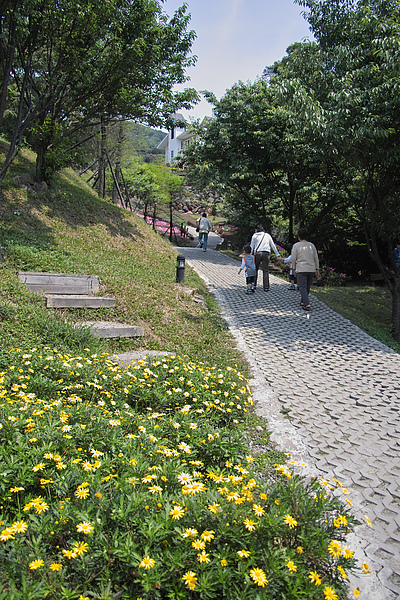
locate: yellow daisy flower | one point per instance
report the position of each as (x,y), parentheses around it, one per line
(19,527)
(259,577)
(259,510)
(203,557)
(315,578)
(147,563)
(84,527)
(290,521)
(208,535)
(291,566)
(177,512)
(36,564)
(365,568)
(329,593)
(190,579)
(81,547)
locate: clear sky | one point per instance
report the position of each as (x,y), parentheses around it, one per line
(236,39)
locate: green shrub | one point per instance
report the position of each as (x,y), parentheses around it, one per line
(136,483)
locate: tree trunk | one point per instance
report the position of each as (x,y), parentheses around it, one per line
(101,182)
(117,170)
(40,154)
(292,195)
(396,306)
(4,88)
(127,198)
(116,184)
(115,194)
(171,224)
(154,215)
(21,125)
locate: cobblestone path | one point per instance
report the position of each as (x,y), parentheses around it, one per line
(340,389)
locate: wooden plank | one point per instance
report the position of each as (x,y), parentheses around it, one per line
(106,329)
(78,301)
(59,283)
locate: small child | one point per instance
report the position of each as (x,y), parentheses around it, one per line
(292,278)
(249,267)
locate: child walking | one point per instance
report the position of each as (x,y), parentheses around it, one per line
(292,277)
(249,267)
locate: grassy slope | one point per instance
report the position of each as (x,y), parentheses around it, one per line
(68,229)
(368,307)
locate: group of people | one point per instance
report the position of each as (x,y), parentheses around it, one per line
(304,262)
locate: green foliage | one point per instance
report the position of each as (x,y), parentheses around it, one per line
(72,67)
(137,482)
(317,142)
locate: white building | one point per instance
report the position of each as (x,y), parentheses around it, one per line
(176,139)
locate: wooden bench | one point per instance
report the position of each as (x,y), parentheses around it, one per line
(374,277)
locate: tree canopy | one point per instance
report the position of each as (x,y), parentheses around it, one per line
(68,64)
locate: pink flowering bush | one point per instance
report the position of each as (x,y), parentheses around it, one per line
(328,276)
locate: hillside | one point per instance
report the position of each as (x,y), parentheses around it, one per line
(68,229)
(143,141)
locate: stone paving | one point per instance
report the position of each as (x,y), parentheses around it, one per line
(331,396)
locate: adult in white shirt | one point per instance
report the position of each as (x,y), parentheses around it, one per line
(204,227)
(261,245)
(305,265)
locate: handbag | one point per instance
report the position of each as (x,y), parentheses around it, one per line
(197,229)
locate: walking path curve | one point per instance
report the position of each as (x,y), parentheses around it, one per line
(340,389)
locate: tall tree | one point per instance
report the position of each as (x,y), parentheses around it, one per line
(262,153)
(360,43)
(72,63)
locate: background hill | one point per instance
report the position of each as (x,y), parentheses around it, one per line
(143,141)
(68,229)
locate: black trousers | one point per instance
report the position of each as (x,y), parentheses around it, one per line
(262,258)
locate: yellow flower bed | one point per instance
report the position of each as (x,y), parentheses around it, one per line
(140,479)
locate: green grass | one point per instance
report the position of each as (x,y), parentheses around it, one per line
(366,306)
(68,229)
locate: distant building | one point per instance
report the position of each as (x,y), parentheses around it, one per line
(177,138)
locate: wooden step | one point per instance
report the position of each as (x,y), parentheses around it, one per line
(78,301)
(59,283)
(107,329)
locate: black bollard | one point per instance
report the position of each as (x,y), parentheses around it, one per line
(180,269)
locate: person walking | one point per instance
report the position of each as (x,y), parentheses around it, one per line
(204,228)
(305,265)
(396,255)
(249,267)
(292,278)
(261,244)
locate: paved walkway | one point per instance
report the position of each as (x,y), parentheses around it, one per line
(340,389)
